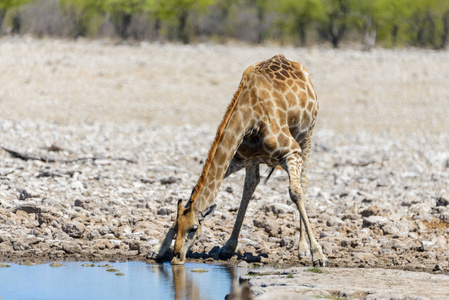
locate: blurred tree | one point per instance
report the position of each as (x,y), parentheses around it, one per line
(9,5)
(79,13)
(393,21)
(422,23)
(303,14)
(177,12)
(429,23)
(262,7)
(335,20)
(122,11)
(366,15)
(445,31)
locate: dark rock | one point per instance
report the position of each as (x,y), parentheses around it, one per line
(20,246)
(334,222)
(79,203)
(74,229)
(134,245)
(373,210)
(287,242)
(24,195)
(250,258)
(169,180)
(164,211)
(443,200)
(259,223)
(70,248)
(375,221)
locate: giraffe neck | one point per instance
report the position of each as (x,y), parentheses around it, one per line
(229,136)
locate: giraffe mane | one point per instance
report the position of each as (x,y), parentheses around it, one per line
(218,135)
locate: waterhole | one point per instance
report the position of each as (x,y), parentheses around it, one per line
(126,280)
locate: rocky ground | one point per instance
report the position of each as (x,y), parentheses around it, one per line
(99,141)
(344,283)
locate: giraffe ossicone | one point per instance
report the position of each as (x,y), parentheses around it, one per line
(270,121)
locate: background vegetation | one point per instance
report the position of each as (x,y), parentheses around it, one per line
(390,23)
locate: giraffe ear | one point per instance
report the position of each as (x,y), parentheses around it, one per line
(207,213)
(180,208)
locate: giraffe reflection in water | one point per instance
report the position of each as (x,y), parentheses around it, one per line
(186,283)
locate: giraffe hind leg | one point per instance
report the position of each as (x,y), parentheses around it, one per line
(292,165)
(304,250)
(306,147)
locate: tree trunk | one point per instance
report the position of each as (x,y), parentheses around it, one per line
(394,34)
(302,31)
(2,17)
(420,32)
(336,33)
(336,26)
(445,33)
(16,23)
(261,29)
(126,21)
(369,34)
(157,28)
(183,35)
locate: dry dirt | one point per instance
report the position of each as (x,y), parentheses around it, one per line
(111,135)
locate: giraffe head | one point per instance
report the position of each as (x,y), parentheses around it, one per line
(188,230)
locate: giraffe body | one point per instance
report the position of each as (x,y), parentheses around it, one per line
(269,121)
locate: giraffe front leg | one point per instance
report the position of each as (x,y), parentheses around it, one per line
(158,251)
(252,179)
(292,165)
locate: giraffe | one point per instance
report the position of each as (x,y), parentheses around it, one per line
(270,121)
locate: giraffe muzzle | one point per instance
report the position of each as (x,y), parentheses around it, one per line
(178,259)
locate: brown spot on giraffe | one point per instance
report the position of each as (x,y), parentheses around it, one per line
(285,73)
(310,92)
(303,99)
(310,106)
(280,77)
(305,120)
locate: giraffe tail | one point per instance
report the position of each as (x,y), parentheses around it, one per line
(269,175)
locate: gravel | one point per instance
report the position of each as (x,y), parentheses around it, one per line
(99,141)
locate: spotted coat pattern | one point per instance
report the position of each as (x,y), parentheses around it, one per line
(269,121)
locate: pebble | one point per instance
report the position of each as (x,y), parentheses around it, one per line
(364,181)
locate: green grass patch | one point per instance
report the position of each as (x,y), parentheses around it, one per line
(314,270)
(87,265)
(290,275)
(56,265)
(253,274)
(112,270)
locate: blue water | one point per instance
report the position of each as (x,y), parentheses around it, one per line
(141,281)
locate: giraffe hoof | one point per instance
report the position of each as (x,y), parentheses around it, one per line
(152,253)
(321,263)
(224,253)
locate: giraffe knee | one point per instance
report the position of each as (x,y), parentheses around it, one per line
(304,183)
(296,193)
